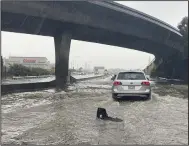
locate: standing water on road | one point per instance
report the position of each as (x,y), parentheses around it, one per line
(50,117)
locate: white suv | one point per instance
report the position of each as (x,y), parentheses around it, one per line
(131,83)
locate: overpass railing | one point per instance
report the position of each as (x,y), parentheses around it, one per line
(143,16)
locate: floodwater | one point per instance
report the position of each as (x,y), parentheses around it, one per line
(50,117)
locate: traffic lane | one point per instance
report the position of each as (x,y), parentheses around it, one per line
(144,122)
(71,119)
(20,120)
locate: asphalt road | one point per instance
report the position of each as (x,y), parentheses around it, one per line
(50,117)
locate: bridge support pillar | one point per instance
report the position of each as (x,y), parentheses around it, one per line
(62,49)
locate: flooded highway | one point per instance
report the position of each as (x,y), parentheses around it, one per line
(50,117)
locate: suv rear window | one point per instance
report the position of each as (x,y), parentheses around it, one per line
(131,76)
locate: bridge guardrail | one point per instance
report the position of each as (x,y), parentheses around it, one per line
(144,16)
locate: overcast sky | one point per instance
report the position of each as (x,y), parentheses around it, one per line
(14,44)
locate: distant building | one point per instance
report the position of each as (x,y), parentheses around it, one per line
(31,62)
(99,69)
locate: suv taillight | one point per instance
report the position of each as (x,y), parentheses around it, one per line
(116,83)
(146,83)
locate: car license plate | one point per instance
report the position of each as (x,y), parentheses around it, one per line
(131,87)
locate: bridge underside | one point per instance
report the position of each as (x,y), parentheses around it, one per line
(38,26)
(123,32)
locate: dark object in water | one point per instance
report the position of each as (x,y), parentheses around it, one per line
(101,113)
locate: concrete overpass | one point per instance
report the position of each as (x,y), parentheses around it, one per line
(154,64)
(148,69)
(93,21)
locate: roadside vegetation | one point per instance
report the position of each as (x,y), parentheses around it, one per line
(20,70)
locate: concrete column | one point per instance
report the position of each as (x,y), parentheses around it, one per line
(62,49)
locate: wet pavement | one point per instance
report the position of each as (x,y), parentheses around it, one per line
(50,117)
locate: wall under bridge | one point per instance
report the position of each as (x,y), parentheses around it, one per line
(154,64)
(174,68)
(150,67)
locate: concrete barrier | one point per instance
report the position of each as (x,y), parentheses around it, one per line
(12,88)
(30,77)
(89,78)
(25,87)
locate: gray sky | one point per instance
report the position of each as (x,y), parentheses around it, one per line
(14,44)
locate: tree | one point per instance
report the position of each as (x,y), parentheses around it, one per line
(183,28)
(80,69)
(20,70)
